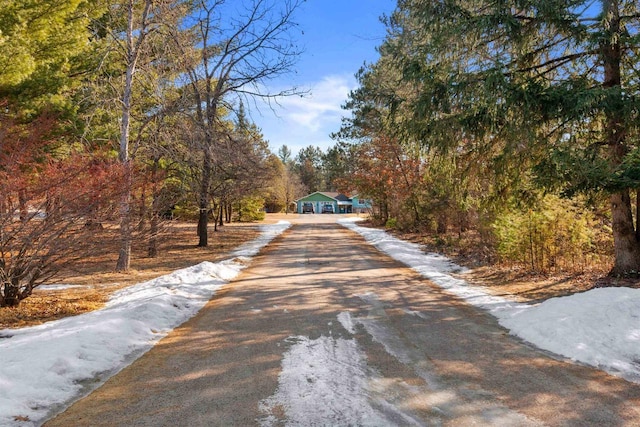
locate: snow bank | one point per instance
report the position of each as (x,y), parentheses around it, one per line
(44,366)
(600,327)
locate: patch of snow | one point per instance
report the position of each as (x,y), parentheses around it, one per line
(346,321)
(441,398)
(415,313)
(600,327)
(58,287)
(323,382)
(44,366)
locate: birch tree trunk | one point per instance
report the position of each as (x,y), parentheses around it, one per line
(132,53)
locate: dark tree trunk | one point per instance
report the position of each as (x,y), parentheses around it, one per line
(214,212)
(442,224)
(625,242)
(10,296)
(229,212)
(124,256)
(153,239)
(152,250)
(22,202)
(638,215)
(203,224)
(203,218)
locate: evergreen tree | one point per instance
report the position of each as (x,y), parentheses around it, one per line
(547,87)
(308,166)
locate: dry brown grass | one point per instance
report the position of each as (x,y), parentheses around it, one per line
(511,280)
(96,280)
(521,285)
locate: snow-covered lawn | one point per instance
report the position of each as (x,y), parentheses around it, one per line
(42,367)
(600,327)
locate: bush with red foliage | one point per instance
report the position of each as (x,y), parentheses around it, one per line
(47,203)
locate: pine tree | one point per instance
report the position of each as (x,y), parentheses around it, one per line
(544,87)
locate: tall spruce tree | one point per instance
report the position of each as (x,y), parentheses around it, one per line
(548,86)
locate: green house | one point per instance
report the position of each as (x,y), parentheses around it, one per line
(360,205)
(330,202)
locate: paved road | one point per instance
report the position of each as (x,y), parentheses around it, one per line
(431,358)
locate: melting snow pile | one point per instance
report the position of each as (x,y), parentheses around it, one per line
(43,366)
(600,327)
(323,382)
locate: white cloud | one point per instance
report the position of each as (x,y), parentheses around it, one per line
(300,121)
(321,106)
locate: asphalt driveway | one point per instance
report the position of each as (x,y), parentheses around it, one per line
(396,350)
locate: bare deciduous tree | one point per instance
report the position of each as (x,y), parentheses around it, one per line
(231,50)
(134,61)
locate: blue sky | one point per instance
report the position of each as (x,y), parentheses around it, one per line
(338,38)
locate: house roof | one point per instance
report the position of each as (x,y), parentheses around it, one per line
(339,197)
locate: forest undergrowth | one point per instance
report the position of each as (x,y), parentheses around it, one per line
(512,279)
(87,285)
